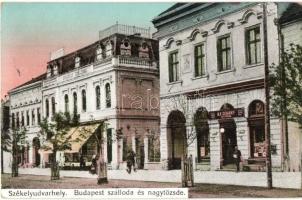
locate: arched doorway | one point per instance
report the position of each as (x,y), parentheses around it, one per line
(202,135)
(177,129)
(36,155)
(257,131)
(228,136)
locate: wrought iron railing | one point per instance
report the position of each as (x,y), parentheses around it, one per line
(126,30)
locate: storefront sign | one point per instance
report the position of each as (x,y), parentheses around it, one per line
(237,112)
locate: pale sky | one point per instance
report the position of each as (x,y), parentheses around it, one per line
(30,31)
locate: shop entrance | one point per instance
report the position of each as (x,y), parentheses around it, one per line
(229,140)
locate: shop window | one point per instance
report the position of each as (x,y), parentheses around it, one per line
(199,55)
(224,53)
(173,67)
(66,100)
(108,95)
(126,148)
(97,97)
(257,129)
(253,45)
(202,133)
(153,149)
(84,101)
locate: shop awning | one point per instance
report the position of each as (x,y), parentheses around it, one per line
(77,137)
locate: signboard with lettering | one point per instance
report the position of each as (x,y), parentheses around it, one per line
(226,114)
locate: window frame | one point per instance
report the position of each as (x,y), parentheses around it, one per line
(98,97)
(66,103)
(203,59)
(255,41)
(227,49)
(108,95)
(84,100)
(171,68)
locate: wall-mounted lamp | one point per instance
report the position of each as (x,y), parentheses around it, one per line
(222,130)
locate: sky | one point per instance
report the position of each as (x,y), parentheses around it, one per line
(30,31)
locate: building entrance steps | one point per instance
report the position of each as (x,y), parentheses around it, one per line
(280,179)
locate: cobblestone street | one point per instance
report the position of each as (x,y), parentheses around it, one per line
(201,190)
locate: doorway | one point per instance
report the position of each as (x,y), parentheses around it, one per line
(229,140)
(177,130)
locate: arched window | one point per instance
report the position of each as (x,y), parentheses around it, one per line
(47,107)
(18,120)
(97,97)
(53,105)
(33,117)
(75,103)
(66,103)
(108,95)
(84,100)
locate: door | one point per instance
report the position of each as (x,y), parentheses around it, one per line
(229,141)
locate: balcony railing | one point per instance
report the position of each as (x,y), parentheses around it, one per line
(126,30)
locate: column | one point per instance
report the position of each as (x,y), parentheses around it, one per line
(30,153)
(242,133)
(164,147)
(146,149)
(215,145)
(115,150)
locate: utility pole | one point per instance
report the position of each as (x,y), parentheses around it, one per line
(267,104)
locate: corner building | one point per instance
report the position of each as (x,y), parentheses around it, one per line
(212,84)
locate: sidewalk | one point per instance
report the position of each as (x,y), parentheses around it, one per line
(280,179)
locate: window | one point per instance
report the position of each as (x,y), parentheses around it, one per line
(153,149)
(224,53)
(47,107)
(39,115)
(27,118)
(109,145)
(33,117)
(97,97)
(13,120)
(108,95)
(53,105)
(253,45)
(22,118)
(173,67)
(199,60)
(75,103)
(18,120)
(84,100)
(66,103)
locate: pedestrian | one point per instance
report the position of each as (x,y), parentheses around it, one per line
(82,162)
(237,158)
(93,165)
(130,161)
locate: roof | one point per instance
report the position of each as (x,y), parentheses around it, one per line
(177,5)
(292,13)
(33,80)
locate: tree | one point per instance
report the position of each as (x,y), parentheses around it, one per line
(286,82)
(182,103)
(58,137)
(18,142)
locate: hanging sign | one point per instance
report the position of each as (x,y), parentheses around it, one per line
(226,114)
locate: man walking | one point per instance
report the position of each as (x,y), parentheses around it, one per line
(130,161)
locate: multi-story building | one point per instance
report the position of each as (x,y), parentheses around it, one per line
(212,84)
(26,111)
(114,80)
